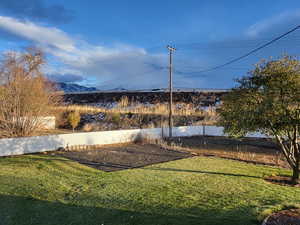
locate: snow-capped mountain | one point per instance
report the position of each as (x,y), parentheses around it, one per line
(71,87)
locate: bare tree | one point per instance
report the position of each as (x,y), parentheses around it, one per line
(25,95)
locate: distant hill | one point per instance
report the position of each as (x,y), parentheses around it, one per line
(70,87)
(118,89)
(207,97)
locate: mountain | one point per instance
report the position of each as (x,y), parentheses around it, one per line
(109,88)
(118,89)
(71,87)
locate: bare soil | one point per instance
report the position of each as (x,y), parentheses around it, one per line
(285,217)
(126,156)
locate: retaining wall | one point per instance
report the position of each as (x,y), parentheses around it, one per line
(25,145)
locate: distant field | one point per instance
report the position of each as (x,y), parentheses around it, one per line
(180,109)
(52,190)
(199,97)
(127,110)
(128,115)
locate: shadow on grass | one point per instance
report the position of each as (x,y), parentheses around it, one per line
(203,172)
(28,211)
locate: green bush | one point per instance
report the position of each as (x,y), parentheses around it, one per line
(116,118)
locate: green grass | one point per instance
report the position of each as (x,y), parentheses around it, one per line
(43,189)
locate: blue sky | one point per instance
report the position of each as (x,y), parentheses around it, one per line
(122,43)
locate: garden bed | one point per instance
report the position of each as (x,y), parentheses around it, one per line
(127,156)
(124,156)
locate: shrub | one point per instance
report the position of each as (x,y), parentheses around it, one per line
(25,94)
(74,119)
(124,102)
(116,118)
(88,127)
(94,126)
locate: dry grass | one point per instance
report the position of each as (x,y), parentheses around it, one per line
(181,109)
(276,159)
(248,150)
(142,113)
(137,115)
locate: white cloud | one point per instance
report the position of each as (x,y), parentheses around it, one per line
(118,65)
(273,23)
(133,67)
(45,36)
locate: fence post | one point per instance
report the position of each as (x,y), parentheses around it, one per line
(204,141)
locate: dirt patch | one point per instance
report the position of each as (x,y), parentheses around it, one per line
(118,157)
(281,180)
(288,217)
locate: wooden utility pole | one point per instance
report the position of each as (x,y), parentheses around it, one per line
(171,50)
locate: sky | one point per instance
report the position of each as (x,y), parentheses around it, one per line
(122,43)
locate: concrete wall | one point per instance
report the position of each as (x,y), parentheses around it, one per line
(18,146)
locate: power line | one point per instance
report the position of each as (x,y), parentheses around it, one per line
(238,43)
(251,52)
(244,43)
(192,73)
(213,48)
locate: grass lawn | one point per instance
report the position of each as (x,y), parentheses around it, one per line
(44,189)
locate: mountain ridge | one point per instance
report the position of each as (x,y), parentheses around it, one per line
(72,87)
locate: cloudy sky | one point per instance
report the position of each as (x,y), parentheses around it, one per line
(122,43)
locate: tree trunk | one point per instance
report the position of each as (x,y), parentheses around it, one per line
(294,162)
(296,168)
(295,177)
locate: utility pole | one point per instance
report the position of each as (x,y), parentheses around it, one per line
(171,50)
